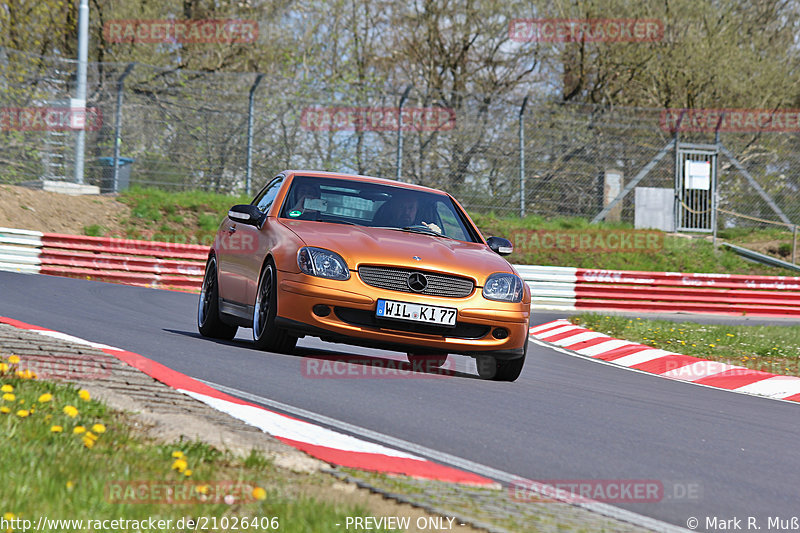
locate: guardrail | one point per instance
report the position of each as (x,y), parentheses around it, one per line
(579,289)
(132,262)
(180,266)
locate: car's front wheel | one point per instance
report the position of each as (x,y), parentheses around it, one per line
(208,322)
(489,367)
(266,335)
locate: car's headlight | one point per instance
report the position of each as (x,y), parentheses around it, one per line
(322,263)
(503,287)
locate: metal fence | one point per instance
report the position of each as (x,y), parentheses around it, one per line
(214,131)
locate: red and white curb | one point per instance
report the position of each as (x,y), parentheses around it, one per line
(588,343)
(324,444)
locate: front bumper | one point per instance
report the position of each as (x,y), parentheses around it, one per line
(351,318)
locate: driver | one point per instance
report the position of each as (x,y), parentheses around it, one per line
(404,211)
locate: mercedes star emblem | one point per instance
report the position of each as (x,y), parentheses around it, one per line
(417,282)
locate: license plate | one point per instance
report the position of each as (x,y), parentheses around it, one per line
(429,314)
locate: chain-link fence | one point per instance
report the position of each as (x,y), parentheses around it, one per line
(195,130)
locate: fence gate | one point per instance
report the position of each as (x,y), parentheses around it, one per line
(695,187)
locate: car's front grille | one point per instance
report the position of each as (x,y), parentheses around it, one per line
(462,330)
(396,279)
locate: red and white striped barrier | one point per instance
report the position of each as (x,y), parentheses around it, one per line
(579,289)
(180,266)
(582,341)
(324,444)
(132,262)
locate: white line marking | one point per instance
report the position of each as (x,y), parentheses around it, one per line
(580,337)
(445,458)
(289,428)
(542,327)
(604,347)
(776,387)
(560,330)
(644,356)
(661,376)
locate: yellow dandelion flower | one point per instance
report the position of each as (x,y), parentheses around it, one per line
(70,485)
(5,410)
(22,413)
(730,334)
(13,359)
(71,411)
(9,397)
(188,472)
(259,493)
(56,429)
(78,430)
(84,395)
(179,465)
(88,442)
(201,489)
(44,398)
(99,428)
(4,368)
(9,516)
(6,388)
(178,454)
(90,435)
(712,345)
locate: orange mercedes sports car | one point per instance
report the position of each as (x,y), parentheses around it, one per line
(365,261)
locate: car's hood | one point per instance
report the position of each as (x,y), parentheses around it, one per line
(360,245)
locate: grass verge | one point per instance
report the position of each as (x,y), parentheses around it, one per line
(65,456)
(774,349)
(576,243)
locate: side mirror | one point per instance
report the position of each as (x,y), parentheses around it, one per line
(500,245)
(246,214)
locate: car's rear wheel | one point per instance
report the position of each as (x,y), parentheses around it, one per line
(426,361)
(208,322)
(266,335)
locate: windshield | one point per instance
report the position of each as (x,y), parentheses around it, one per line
(375,205)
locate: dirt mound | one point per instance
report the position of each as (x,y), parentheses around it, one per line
(24,208)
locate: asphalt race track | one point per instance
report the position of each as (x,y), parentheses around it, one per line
(565,418)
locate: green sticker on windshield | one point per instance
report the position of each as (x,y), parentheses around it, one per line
(295,213)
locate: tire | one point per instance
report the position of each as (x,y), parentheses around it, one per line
(426,361)
(489,367)
(208,322)
(265,334)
